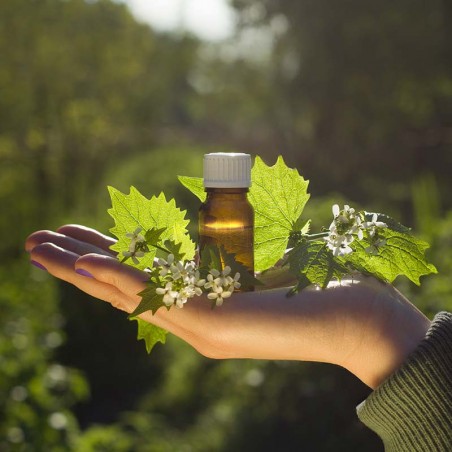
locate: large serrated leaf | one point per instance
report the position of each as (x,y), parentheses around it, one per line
(390,222)
(278,195)
(135,210)
(218,258)
(313,263)
(403,254)
(150,333)
(150,300)
(195,185)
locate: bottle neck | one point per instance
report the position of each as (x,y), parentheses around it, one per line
(226,191)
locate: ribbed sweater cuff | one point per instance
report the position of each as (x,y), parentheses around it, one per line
(412,410)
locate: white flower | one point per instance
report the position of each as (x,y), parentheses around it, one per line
(178,270)
(185,272)
(170,296)
(373,225)
(343,216)
(346,226)
(186,293)
(336,210)
(197,279)
(221,284)
(339,244)
(210,279)
(345,220)
(196,291)
(165,264)
(218,294)
(223,279)
(216,278)
(182,297)
(134,255)
(182,281)
(235,281)
(135,238)
(356,227)
(137,246)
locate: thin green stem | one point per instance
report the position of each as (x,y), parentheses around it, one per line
(316,236)
(161,248)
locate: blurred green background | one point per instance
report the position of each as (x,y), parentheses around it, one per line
(356,94)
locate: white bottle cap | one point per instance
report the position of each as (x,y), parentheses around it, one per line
(227,170)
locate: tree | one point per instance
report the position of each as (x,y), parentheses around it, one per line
(83,85)
(364,87)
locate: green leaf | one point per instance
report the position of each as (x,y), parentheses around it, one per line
(278,195)
(301,225)
(150,300)
(299,232)
(303,282)
(133,210)
(210,258)
(214,257)
(391,223)
(306,228)
(151,334)
(195,185)
(153,236)
(403,254)
(174,249)
(218,258)
(313,263)
(247,280)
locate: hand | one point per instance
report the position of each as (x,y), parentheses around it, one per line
(361,324)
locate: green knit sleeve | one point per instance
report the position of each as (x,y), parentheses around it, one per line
(412,410)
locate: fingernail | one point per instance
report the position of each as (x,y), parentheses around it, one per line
(37,264)
(83,272)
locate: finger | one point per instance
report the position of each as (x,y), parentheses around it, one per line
(109,270)
(60,262)
(63,241)
(85,234)
(129,281)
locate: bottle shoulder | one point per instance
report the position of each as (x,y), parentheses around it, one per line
(231,204)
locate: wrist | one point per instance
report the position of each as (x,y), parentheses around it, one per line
(405,339)
(393,330)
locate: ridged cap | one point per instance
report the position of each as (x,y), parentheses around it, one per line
(227,170)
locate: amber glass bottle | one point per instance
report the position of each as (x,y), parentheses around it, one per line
(226,218)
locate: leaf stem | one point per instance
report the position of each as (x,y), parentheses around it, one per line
(319,235)
(161,248)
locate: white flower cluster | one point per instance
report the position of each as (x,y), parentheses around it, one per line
(137,247)
(221,284)
(183,282)
(182,279)
(348,225)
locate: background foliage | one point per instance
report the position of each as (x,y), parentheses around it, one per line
(357,95)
